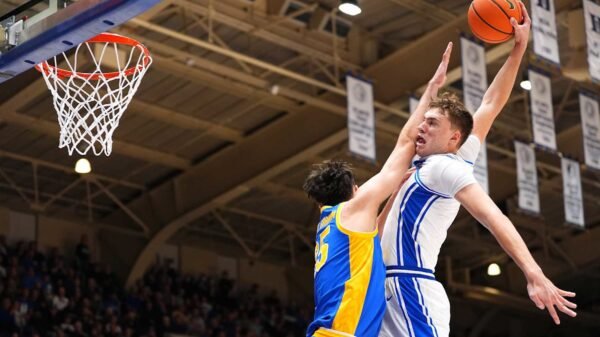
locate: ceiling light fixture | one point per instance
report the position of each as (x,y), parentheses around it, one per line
(349,7)
(83,166)
(526,85)
(494,269)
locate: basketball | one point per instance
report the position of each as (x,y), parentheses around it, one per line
(490,19)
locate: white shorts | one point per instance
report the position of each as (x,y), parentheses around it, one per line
(416,307)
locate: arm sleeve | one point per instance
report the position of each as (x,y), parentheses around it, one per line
(470,149)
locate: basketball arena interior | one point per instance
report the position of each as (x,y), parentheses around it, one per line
(203,188)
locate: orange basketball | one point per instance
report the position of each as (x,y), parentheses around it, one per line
(490,19)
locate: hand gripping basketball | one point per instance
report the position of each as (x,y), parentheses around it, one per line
(490,20)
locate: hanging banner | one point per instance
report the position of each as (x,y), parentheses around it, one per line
(572,192)
(592,29)
(542,110)
(543,24)
(475,84)
(590,123)
(474,73)
(413,103)
(527,181)
(361,118)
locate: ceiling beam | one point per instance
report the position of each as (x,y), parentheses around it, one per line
(302,42)
(427,10)
(183,121)
(261,64)
(8,113)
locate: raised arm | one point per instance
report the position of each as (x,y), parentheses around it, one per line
(499,91)
(435,83)
(362,208)
(541,290)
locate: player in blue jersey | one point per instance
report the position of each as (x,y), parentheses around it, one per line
(423,209)
(349,269)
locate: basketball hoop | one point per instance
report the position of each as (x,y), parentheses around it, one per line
(90,104)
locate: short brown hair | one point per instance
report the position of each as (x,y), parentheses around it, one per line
(330,183)
(459,117)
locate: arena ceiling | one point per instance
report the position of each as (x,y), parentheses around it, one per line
(243,96)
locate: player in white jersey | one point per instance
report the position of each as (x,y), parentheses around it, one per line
(421,212)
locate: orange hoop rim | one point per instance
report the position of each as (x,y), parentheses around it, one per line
(102,38)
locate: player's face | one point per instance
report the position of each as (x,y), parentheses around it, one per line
(435,134)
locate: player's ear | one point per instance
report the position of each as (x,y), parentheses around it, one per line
(456,135)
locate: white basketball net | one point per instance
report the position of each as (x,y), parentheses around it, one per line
(90,104)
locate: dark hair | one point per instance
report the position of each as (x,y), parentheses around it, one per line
(459,117)
(330,183)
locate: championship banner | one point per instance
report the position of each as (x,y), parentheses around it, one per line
(572,192)
(527,181)
(413,103)
(475,84)
(592,28)
(543,23)
(361,118)
(542,110)
(590,123)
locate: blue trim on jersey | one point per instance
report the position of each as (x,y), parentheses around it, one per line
(419,321)
(404,314)
(418,247)
(422,300)
(410,275)
(468,162)
(410,268)
(400,220)
(418,178)
(416,207)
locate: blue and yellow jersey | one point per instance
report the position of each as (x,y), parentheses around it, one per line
(349,280)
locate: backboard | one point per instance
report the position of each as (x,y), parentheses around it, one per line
(36,30)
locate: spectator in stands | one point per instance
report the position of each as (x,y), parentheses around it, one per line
(60,301)
(83,253)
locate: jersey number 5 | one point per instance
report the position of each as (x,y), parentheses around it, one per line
(321,250)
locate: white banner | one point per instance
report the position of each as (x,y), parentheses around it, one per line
(474,73)
(413,102)
(572,192)
(590,123)
(592,28)
(475,85)
(542,111)
(527,181)
(545,41)
(361,118)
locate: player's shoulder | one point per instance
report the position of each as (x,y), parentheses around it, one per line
(441,161)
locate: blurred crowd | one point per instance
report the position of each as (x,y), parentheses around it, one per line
(48,294)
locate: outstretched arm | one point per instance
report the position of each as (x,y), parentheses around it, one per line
(499,91)
(437,81)
(541,290)
(362,208)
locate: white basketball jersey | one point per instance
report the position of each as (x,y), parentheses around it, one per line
(424,209)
